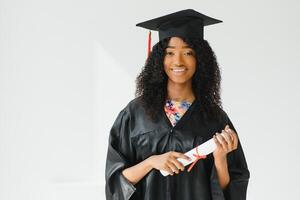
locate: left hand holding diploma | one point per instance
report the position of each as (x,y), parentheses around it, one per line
(226,142)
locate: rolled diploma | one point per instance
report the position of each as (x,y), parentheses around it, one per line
(203,149)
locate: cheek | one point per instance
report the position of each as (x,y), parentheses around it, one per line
(192,65)
(166,64)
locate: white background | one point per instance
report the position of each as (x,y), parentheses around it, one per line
(68,67)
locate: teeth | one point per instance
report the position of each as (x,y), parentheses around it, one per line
(178,70)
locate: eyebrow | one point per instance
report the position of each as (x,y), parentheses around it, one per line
(172,47)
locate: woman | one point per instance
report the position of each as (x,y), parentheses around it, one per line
(177,108)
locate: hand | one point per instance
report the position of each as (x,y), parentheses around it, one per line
(168,162)
(226,143)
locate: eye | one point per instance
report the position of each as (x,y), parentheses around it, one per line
(169,53)
(189,53)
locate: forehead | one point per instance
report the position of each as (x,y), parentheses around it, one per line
(177,42)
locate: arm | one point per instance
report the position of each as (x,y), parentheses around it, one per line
(222,172)
(167,161)
(119,156)
(135,173)
(236,188)
(226,142)
(120,173)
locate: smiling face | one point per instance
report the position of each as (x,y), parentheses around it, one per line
(179,62)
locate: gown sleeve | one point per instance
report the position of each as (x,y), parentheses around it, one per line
(238,172)
(119,156)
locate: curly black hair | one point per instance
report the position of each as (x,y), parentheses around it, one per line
(151,83)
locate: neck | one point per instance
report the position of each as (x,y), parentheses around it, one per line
(180,92)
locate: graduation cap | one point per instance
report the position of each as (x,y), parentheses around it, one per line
(185,23)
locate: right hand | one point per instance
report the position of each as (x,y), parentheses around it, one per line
(168,162)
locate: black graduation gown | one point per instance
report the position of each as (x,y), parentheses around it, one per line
(134,137)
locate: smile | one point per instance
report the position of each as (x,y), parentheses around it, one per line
(179,70)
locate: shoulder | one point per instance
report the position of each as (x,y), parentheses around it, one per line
(136,118)
(134,103)
(134,106)
(221,114)
(129,112)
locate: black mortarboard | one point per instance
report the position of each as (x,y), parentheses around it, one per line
(185,23)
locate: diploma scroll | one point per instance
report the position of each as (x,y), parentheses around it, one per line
(201,150)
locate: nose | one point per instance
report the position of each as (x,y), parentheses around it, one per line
(178,61)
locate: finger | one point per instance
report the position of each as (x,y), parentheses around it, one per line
(233,136)
(178,164)
(217,142)
(235,140)
(227,138)
(227,129)
(169,170)
(173,167)
(166,168)
(222,141)
(181,155)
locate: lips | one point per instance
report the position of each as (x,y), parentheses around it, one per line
(178,70)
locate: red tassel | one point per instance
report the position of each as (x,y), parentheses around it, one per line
(149,43)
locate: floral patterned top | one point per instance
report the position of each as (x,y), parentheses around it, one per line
(176,109)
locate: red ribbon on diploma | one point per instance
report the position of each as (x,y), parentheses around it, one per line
(198,157)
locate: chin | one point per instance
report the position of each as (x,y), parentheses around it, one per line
(180,80)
